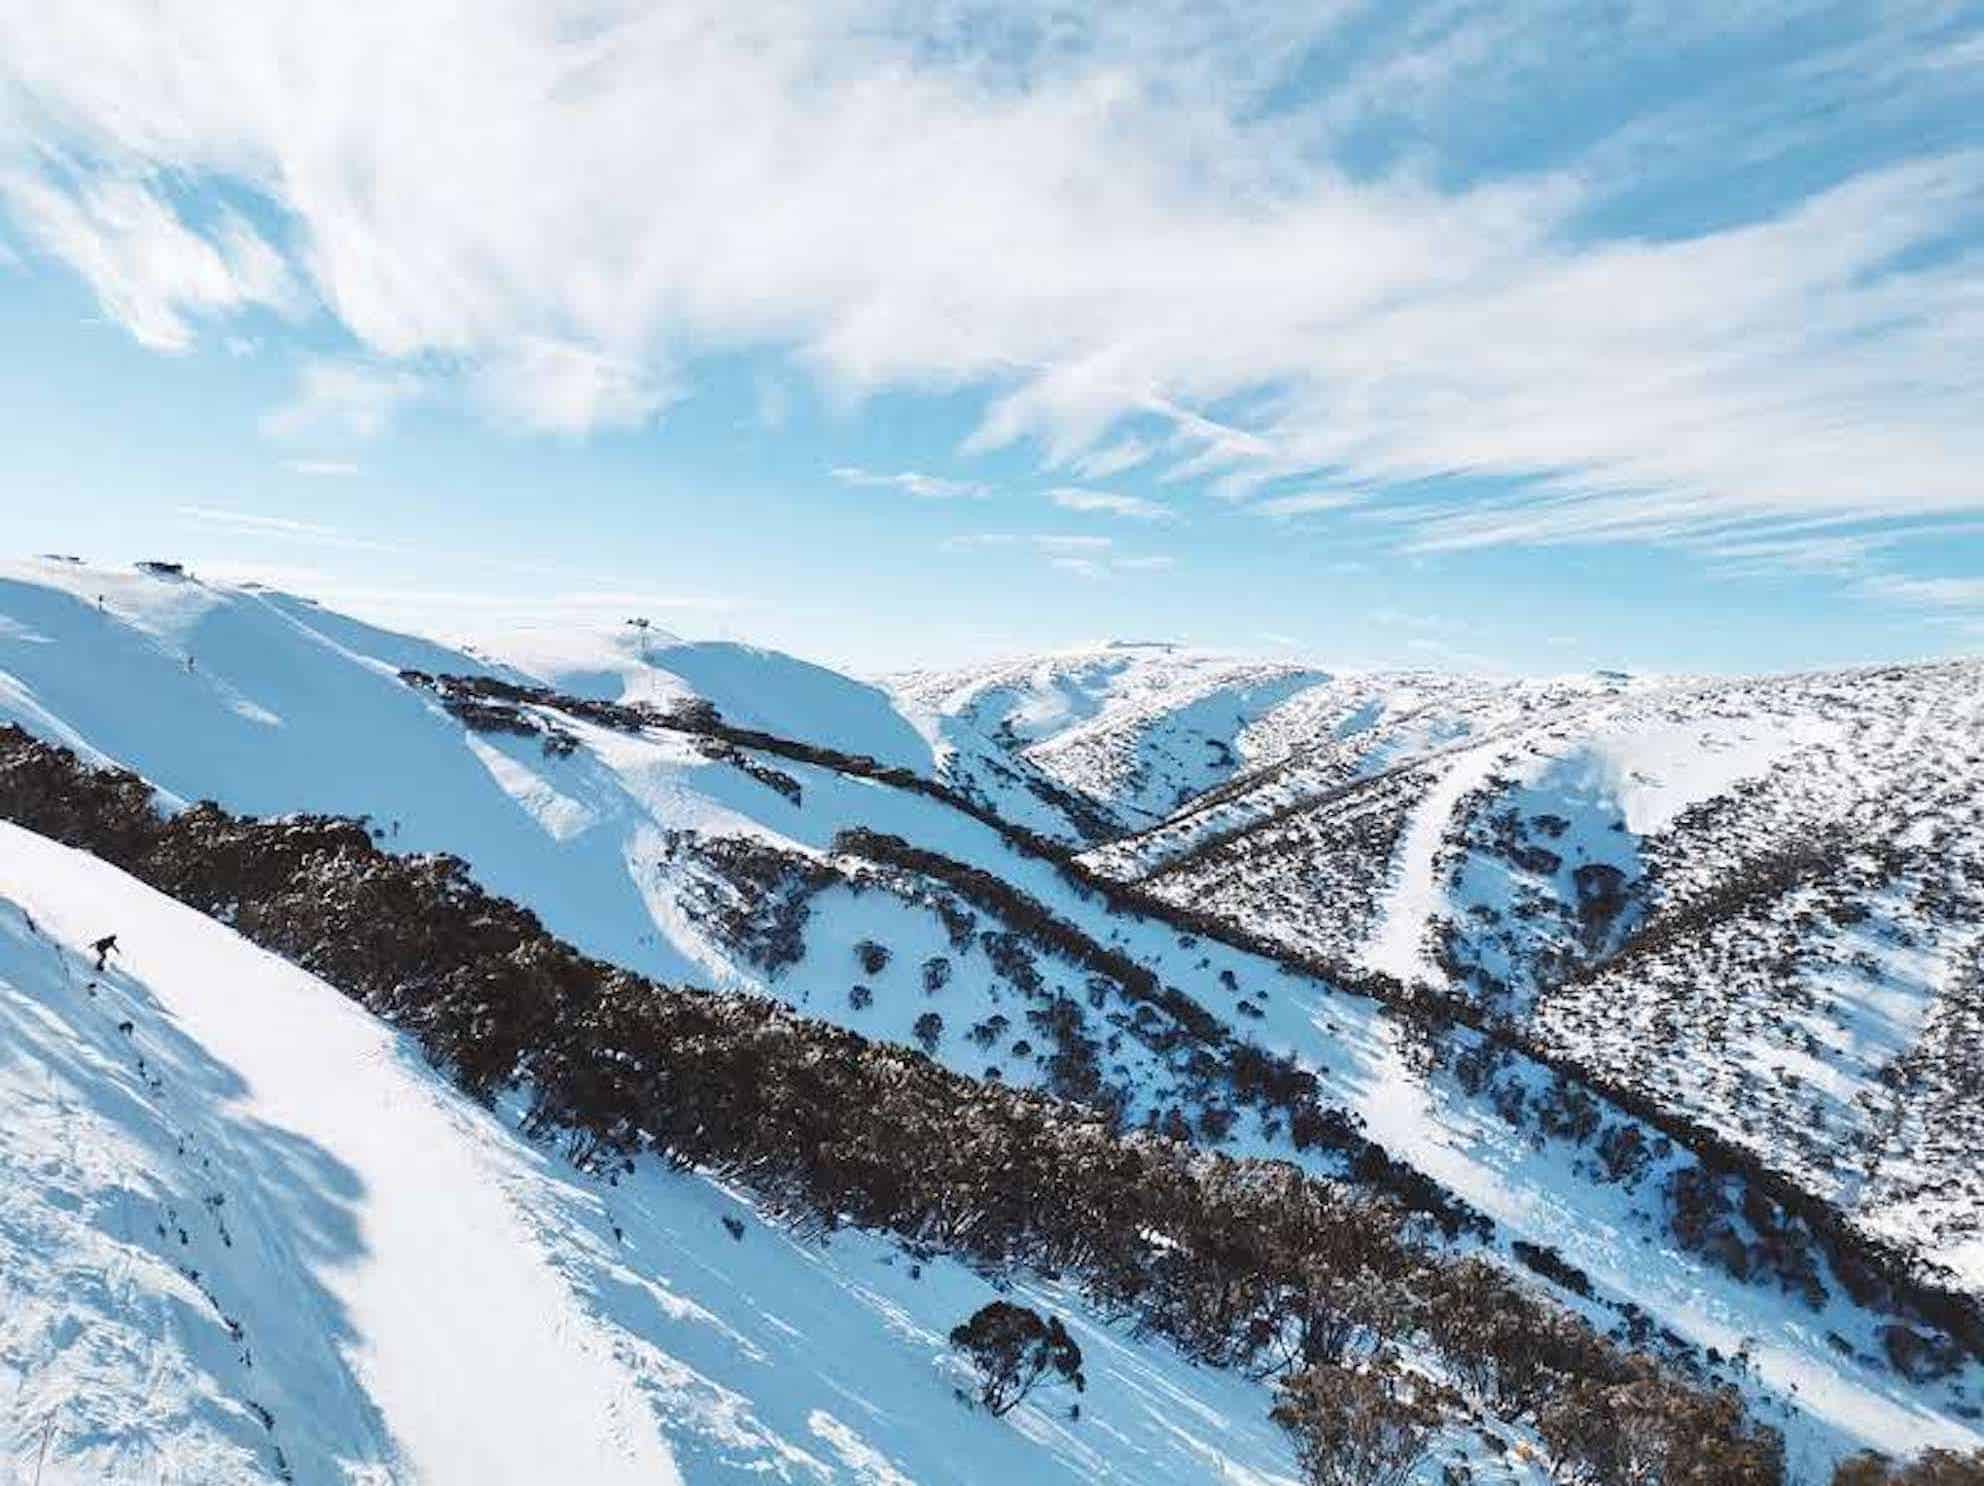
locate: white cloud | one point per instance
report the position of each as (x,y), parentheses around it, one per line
(1098,221)
(1125,454)
(550,386)
(973,541)
(1134,507)
(1776,556)
(148,269)
(1083,556)
(1073,544)
(1306,503)
(249,521)
(340,400)
(1103,567)
(255,524)
(913,482)
(322,468)
(1933,593)
(1081,567)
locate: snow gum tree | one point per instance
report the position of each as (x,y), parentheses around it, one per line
(1014,1351)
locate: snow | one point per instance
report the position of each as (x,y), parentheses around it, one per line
(1137,728)
(421,1295)
(290,707)
(750,686)
(373,1198)
(1652,769)
(1398,944)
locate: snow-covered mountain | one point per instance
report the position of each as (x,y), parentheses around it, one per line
(1613,881)
(1758,903)
(1138,729)
(248,1235)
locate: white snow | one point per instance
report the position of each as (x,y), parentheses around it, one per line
(1398,944)
(290,707)
(422,1296)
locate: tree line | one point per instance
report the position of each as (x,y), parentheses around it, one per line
(1873,1271)
(1241,1263)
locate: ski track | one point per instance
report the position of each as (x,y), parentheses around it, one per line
(1397,946)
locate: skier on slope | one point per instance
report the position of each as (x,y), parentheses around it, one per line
(104,947)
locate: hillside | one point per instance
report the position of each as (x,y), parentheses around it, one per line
(892,860)
(1755,902)
(249,1235)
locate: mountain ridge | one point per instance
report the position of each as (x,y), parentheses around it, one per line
(717,858)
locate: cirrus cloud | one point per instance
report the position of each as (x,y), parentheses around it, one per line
(1133,507)
(1137,238)
(912,482)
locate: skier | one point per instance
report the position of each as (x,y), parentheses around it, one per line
(104,947)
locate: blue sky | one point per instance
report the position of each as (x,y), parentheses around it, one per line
(1534,336)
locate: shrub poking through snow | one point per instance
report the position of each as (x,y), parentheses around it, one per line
(929,1031)
(1243,1263)
(1932,1468)
(1015,1350)
(1354,1427)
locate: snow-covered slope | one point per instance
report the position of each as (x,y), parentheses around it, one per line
(1137,729)
(247,1236)
(687,861)
(1760,902)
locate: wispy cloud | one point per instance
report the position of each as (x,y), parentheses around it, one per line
(1114,459)
(341,400)
(974,541)
(255,524)
(1305,503)
(1081,567)
(1083,556)
(1103,567)
(913,482)
(548,385)
(1133,507)
(1073,544)
(250,521)
(321,468)
(149,270)
(1928,593)
(1831,554)
(1182,244)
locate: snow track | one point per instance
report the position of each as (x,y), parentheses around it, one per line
(1397,945)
